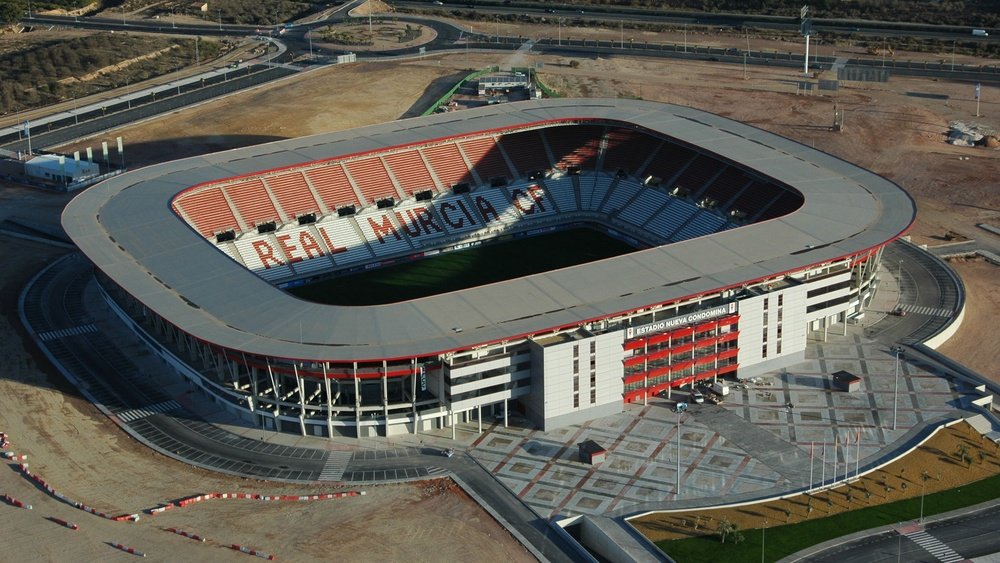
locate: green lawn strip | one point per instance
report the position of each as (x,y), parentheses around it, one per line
(784,540)
(451,271)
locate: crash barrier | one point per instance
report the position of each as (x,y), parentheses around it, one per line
(23,467)
(188,501)
(250,551)
(65,523)
(127,549)
(14,502)
(195,537)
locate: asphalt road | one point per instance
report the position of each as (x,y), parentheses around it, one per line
(446,38)
(55,301)
(924,283)
(970,535)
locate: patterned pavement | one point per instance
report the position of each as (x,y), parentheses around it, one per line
(721,456)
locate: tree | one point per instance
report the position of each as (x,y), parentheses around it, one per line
(962,452)
(11,11)
(725,528)
(574,64)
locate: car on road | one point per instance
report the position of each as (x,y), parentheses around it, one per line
(697,397)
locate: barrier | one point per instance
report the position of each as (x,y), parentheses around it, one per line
(254,552)
(187,501)
(65,523)
(14,457)
(126,517)
(198,498)
(161,509)
(195,537)
(13,501)
(127,549)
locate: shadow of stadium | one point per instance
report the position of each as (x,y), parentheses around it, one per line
(175,148)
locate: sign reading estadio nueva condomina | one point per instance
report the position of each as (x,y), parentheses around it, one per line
(690,318)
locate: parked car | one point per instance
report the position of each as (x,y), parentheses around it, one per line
(697,397)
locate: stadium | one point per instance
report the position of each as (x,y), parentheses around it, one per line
(719,250)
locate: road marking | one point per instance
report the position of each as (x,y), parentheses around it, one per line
(336,464)
(934,546)
(143,412)
(64,332)
(924,310)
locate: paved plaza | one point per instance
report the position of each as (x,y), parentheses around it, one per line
(722,457)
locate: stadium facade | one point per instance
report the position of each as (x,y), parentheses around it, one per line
(747,244)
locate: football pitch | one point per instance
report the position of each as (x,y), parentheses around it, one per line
(471,267)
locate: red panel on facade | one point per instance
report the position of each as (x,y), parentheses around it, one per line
(659,338)
(681,332)
(635,344)
(727,321)
(729,336)
(729,353)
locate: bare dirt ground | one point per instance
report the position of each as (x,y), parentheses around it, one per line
(888,129)
(983,298)
(903,478)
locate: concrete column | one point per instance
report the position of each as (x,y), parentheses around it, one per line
(329,404)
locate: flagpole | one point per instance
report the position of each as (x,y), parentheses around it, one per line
(847,456)
(857,455)
(823,482)
(811,462)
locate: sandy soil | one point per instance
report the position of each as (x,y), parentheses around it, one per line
(977,351)
(899,480)
(887,129)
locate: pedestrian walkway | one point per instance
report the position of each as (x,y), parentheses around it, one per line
(336,464)
(923,310)
(64,332)
(934,546)
(136,414)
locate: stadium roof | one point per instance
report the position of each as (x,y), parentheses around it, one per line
(126,227)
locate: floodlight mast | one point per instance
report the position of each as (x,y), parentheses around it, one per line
(806,30)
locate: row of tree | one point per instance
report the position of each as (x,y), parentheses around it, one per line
(45,73)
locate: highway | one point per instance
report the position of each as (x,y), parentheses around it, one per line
(67,126)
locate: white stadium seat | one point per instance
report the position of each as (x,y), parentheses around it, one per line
(303,246)
(643,207)
(341,234)
(457,214)
(623,192)
(493,206)
(705,223)
(601,186)
(382,233)
(563,193)
(671,217)
(418,222)
(262,256)
(530,201)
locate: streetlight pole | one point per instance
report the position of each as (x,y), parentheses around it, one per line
(498,28)
(953,55)
(898,351)
(678,487)
(923,484)
(763,532)
(220,19)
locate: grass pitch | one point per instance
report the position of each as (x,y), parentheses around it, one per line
(471,267)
